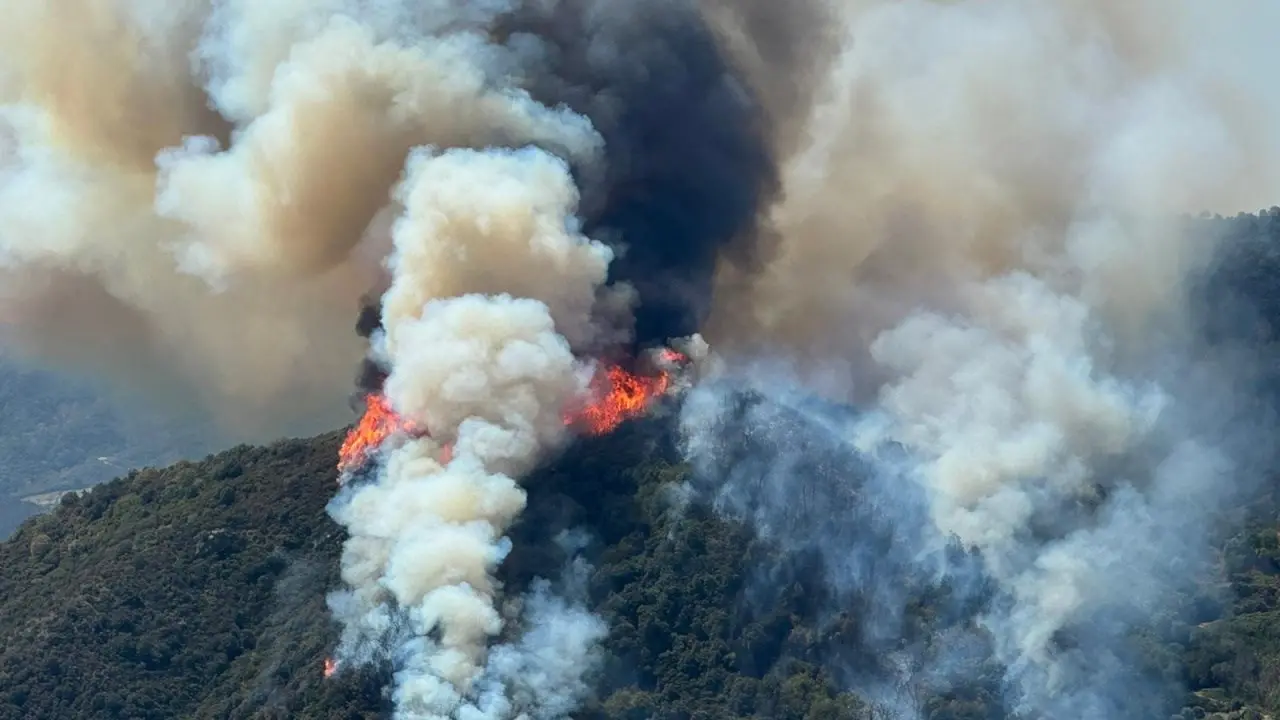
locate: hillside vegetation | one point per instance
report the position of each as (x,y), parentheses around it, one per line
(198,591)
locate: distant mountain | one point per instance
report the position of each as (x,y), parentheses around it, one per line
(59,434)
(13,511)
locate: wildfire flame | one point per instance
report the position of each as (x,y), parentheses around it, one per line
(617,395)
(614,396)
(330,667)
(672,357)
(379,422)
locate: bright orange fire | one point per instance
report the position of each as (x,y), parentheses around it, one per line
(380,421)
(617,395)
(330,667)
(672,356)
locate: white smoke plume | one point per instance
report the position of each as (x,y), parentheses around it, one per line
(488,375)
(541,674)
(979,245)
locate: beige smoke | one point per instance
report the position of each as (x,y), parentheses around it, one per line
(342,113)
(196,197)
(90,93)
(783,48)
(951,142)
(134,237)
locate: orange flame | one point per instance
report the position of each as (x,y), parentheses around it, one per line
(330,667)
(668,355)
(380,422)
(616,396)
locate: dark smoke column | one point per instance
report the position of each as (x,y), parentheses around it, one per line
(371,375)
(689,167)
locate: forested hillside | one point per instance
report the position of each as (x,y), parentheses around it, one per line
(198,591)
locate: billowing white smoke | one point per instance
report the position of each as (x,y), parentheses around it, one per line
(979,246)
(488,375)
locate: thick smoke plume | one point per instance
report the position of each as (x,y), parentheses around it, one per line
(959,217)
(197,197)
(979,245)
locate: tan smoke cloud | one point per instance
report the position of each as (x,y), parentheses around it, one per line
(783,48)
(92,92)
(135,238)
(316,163)
(951,142)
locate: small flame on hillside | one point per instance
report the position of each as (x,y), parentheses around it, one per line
(330,667)
(380,421)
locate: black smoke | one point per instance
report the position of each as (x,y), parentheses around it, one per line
(371,374)
(688,163)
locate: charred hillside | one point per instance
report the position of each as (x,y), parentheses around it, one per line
(199,591)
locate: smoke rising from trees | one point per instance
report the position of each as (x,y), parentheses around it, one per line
(959,217)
